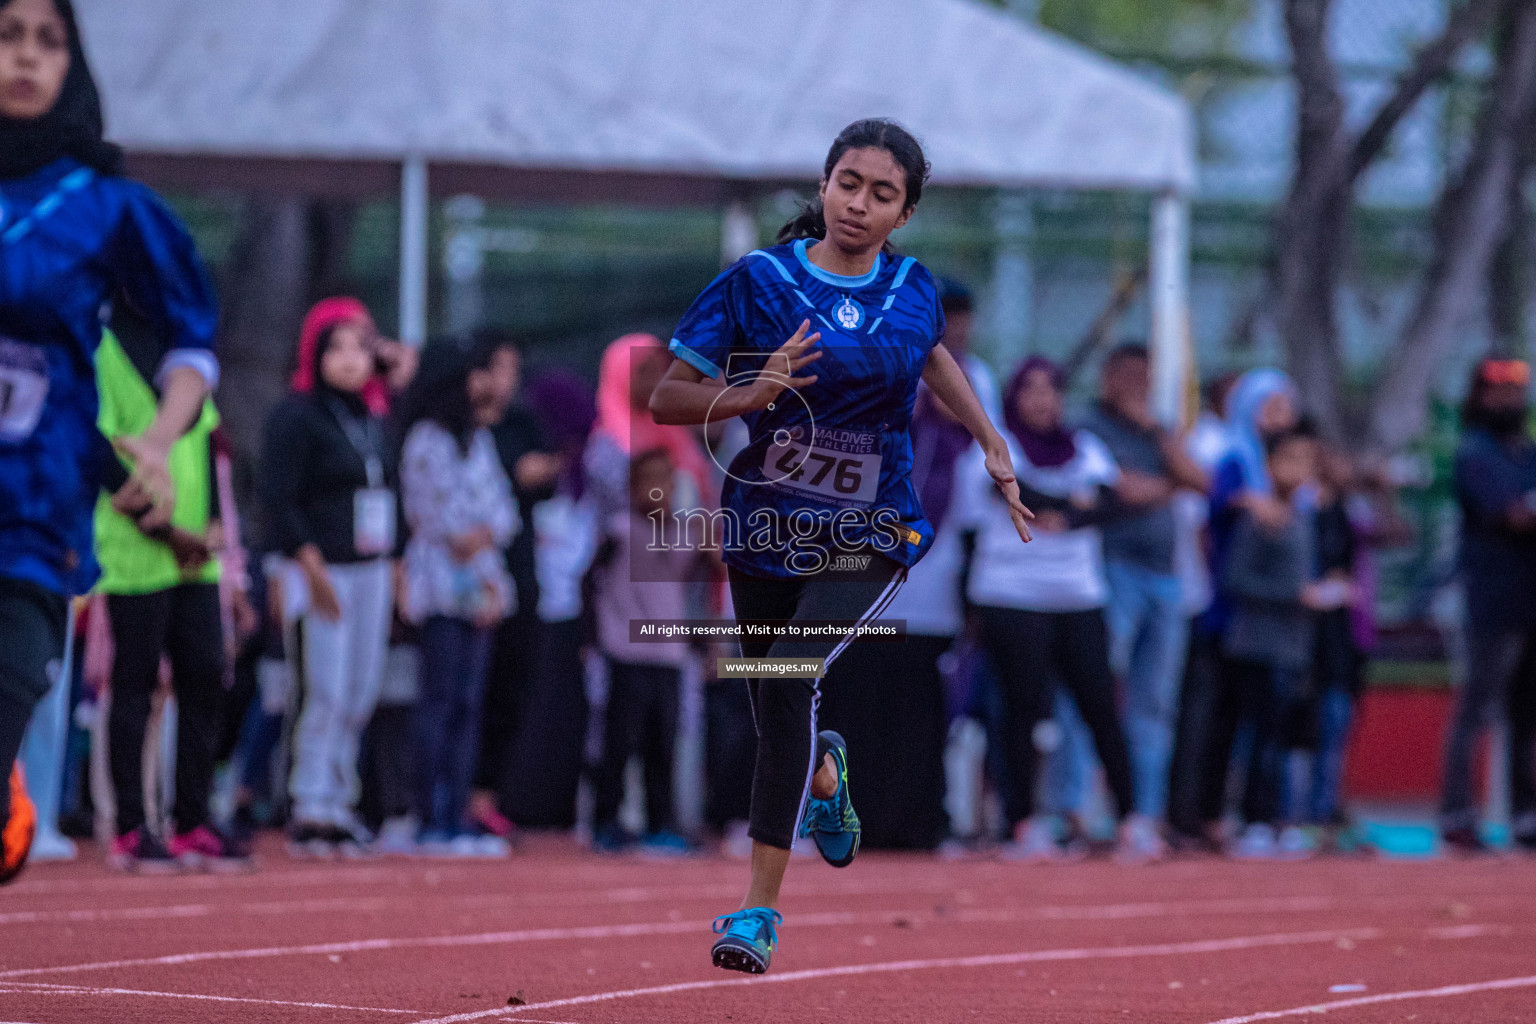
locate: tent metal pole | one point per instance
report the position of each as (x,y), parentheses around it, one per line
(1169,290)
(414,209)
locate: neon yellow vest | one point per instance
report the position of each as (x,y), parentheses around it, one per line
(132,563)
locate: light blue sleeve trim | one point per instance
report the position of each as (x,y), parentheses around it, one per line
(837,280)
(901,272)
(693,359)
(771,258)
(200,359)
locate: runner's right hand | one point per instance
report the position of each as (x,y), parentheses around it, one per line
(793,355)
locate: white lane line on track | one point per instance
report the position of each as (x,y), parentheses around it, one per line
(35,989)
(1117,911)
(1385,997)
(1081,912)
(897,966)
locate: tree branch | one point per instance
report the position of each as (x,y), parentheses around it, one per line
(1466,21)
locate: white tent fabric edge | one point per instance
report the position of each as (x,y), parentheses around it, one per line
(735,90)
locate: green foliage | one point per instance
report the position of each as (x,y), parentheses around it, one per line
(1167,27)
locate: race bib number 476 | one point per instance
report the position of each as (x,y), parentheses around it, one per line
(843,465)
(23,389)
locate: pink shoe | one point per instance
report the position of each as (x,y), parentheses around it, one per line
(492,821)
(206,848)
(141,852)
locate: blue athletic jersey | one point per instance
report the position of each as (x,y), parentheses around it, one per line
(71,242)
(836,454)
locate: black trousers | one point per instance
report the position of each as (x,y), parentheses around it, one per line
(548,757)
(784,711)
(1196,782)
(1522,742)
(31,636)
(508,686)
(1030,650)
(730,752)
(887,701)
(183,624)
(641,721)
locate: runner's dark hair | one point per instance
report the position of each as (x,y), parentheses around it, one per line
(870,133)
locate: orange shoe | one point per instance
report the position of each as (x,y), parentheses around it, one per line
(17,831)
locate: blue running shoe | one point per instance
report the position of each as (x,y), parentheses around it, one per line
(748,941)
(832,822)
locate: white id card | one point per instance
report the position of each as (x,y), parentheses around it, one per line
(373,521)
(847,470)
(23,389)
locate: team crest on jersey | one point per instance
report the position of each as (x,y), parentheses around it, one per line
(848,314)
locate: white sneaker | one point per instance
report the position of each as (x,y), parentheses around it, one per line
(1034,843)
(51,845)
(397,838)
(490,847)
(1257,842)
(1294,844)
(1140,842)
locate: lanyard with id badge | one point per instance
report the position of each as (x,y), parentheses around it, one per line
(373,507)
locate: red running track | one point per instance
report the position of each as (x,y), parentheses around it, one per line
(893,938)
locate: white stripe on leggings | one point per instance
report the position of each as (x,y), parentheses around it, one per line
(878,605)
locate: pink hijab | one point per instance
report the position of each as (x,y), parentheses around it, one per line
(633,429)
(325,314)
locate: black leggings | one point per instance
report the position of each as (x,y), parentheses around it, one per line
(182,623)
(784,710)
(31,636)
(1030,651)
(641,721)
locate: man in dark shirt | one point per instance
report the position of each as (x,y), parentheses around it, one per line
(1149,633)
(1495,484)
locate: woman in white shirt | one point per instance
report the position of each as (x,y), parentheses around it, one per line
(1040,606)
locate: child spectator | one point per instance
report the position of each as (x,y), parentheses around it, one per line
(637,579)
(163,601)
(462,515)
(1271,580)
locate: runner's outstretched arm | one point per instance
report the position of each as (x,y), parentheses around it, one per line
(950,386)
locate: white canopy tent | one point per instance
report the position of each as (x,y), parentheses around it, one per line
(635,97)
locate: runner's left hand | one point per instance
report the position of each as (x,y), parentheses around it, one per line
(1000,468)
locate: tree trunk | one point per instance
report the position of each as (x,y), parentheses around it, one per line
(1311,228)
(1469,223)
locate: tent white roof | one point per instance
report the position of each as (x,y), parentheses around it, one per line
(733,89)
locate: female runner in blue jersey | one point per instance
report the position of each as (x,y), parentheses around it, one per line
(75,236)
(822,520)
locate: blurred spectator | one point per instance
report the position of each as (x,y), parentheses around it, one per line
(888,699)
(1495,483)
(533,468)
(1354,514)
(455,586)
(631,367)
(1261,405)
(547,758)
(1270,577)
(327,484)
(162,601)
(959,317)
(1040,605)
(1148,628)
(1206,445)
(637,580)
